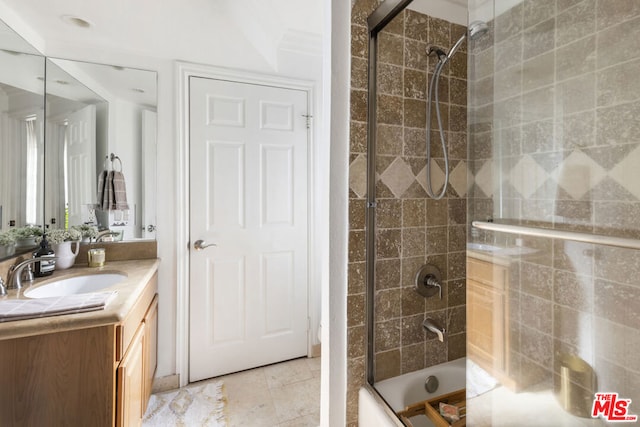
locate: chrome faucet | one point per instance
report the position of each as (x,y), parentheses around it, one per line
(431,325)
(14,278)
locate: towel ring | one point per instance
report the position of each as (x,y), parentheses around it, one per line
(113,158)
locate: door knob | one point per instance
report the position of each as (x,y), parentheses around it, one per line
(199,245)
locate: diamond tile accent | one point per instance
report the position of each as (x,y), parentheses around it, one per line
(484,178)
(458,178)
(398,177)
(437,177)
(578,174)
(527,176)
(358,175)
(627,173)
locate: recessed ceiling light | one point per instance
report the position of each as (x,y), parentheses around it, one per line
(137,89)
(76,21)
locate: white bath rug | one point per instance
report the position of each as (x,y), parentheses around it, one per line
(191,406)
(478,380)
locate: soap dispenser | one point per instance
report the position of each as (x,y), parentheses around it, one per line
(44,268)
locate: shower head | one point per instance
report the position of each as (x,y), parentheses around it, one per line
(477,29)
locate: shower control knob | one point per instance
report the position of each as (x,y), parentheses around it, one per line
(428,281)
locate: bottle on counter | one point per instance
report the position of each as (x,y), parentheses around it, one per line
(44,268)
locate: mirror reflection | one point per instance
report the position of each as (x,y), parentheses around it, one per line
(21,141)
(100,149)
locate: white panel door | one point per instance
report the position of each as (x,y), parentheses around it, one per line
(248,187)
(81,164)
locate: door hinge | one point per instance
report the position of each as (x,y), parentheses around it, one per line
(308,117)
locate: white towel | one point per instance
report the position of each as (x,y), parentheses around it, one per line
(20,309)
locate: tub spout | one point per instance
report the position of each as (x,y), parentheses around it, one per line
(431,325)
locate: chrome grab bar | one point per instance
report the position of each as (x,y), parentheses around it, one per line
(596,239)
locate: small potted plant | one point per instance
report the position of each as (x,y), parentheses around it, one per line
(60,240)
(7,244)
(26,236)
(87,231)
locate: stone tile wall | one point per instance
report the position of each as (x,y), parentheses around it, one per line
(411,228)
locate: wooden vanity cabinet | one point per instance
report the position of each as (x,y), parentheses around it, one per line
(96,376)
(137,336)
(131,383)
(137,368)
(487,317)
(150,350)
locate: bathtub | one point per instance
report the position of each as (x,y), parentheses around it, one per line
(405,390)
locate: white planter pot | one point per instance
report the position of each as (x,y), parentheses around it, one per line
(66,256)
(7,250)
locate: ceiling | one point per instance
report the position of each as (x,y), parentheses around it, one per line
(242,32)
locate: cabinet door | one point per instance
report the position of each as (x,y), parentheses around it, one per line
(131,383)
(486,325)
(150,349)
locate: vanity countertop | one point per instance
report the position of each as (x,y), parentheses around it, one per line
(498,254)
(138,273)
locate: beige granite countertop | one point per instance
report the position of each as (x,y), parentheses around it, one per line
(138,273)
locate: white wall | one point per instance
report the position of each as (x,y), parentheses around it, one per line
(334,361)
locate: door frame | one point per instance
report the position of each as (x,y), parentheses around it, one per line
(184,71)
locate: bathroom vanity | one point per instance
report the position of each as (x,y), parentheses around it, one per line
(488,314)
(90,369)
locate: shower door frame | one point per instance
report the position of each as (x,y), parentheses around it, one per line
(378,19)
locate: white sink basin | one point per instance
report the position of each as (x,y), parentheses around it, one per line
(75,285)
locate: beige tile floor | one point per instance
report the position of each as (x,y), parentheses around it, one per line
(284,395)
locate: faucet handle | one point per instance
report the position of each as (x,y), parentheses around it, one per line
(428,281)
(3,288)
(27,274)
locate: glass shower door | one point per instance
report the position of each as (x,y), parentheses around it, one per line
(553,307)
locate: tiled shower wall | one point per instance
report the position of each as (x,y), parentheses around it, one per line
(411,229)
(555,143)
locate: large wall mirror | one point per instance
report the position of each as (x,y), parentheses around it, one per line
(100,133)
(22,92)
(66,127)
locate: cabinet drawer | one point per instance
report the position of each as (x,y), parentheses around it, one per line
(127,329)
(487,273)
